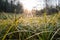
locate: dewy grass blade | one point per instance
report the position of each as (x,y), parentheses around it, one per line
(55,34)
(7,32)
(38,34)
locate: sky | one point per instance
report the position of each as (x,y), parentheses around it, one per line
(30,4)
(36,4)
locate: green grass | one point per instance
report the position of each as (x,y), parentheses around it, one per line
(45,27)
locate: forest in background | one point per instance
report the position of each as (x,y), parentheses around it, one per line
(5,6)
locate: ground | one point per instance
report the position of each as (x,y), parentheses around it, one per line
(19,27)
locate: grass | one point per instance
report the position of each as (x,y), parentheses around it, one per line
(45,27)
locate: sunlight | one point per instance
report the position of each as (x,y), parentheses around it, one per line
(29,4)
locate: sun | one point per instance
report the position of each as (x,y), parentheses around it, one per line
(29,4)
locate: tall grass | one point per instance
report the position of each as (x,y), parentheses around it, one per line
(45,27)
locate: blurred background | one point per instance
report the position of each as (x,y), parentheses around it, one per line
(39,6)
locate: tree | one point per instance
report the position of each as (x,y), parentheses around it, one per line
(19,8)
(5,6)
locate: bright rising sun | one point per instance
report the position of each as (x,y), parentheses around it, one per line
(29,4)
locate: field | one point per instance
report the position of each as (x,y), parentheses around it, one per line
(18,27)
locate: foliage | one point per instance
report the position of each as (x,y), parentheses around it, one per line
(5,6)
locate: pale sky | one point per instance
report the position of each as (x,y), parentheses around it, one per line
(37,4)
(30,4)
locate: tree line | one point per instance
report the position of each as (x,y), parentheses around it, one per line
(5,6)
(49,9)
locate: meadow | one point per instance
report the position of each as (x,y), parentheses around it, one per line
(19,27)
